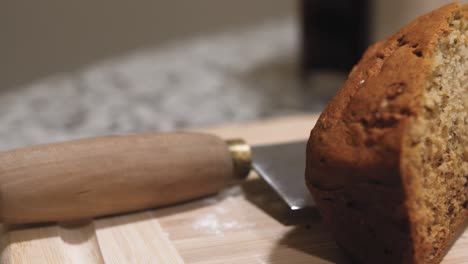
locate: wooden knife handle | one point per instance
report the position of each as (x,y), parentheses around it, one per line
(109,175)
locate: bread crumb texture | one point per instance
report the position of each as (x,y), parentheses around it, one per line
(439,137)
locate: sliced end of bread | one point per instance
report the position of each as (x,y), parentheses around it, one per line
(438,147)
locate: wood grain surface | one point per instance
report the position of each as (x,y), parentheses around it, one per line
(108,175)
(247,223)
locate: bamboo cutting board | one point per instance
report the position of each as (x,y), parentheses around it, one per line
(244,224)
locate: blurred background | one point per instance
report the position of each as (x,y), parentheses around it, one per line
(74,69)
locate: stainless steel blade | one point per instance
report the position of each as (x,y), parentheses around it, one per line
(283,167)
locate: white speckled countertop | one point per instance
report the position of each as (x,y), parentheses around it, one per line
(225,77)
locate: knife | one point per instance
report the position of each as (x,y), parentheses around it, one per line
(116,174)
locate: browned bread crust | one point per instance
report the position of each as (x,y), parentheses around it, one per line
(354,168)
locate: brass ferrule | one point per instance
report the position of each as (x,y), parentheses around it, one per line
(241,157)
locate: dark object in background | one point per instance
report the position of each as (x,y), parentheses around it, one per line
(334,34)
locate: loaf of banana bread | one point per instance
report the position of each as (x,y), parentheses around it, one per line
(387,162)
